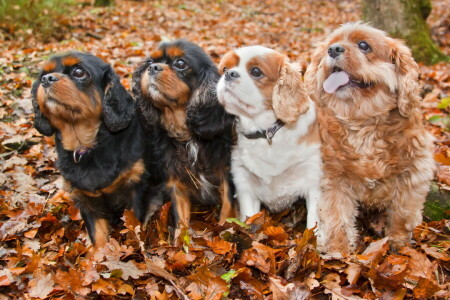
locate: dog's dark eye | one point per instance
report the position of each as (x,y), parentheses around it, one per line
(79,73)
(364,46)
(180,64)
(224,69)
(149,61)
(256,72)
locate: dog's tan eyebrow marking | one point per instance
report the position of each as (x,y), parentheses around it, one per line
(157,54)
(229,60)
(69,61)
(174,51)
(49,66)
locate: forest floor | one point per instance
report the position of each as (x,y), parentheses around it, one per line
(44,249)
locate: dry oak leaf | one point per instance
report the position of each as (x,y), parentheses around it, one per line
(425,288)
(129,269)
(41,286)
(419,265)
(153,268)
(249,284)
(206,285)
(374,252)
(434,252)
(106,287)
(332,284)
(71,282)
(179,260)
(390,274)
(130,221)
(89,271)
(353,272)
(6,277)
(393,295)
(261,257)
(276,232)
(220,246)
(282,290)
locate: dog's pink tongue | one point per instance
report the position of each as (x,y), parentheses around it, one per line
(334,81)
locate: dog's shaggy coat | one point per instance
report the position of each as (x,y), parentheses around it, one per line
(376,152)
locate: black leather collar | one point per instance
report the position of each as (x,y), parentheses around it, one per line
(265,134)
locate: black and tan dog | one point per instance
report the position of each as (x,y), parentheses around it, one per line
(175,94)
(99,141)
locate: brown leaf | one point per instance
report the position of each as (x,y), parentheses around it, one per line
(206,285)
(425,288)
(434,252)
(41,285)
(261,257)
(374,252)
(282,290)
(71,282)
(130,220)
(179,260)
(129,269)
(393,295)
(158,271)
(391,273)
(353,272)
(276,232)
(106,287)
(250,285)
(332,283)
(419,264)
(220,246)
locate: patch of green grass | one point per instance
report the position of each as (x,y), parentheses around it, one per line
(40,18)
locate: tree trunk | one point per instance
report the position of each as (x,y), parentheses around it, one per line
(437,205)
(103,2)
(405,19)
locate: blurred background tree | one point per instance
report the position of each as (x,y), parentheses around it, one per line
(405,19)
(103,2)
(41,18)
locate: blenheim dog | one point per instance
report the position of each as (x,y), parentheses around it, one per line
(175,93)
(100,144)
(277,157)
(376,152)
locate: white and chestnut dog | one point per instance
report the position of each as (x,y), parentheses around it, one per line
(376,152)
(277,156)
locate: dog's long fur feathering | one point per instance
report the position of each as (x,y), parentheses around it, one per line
(377,154)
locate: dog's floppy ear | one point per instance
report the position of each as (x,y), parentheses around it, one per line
(41,123)
(407,78)
(118,105)
(205,116)
(289,98)
(314,71)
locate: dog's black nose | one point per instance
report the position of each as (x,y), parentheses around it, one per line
(231,75)
(48,79)
(155,68)
(335,50)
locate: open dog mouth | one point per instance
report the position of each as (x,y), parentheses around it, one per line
(339,79)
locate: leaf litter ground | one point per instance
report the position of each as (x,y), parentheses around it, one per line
(44,250)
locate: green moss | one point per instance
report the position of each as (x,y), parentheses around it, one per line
(425,8)
(424,50)
(103,2)
(438,202)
